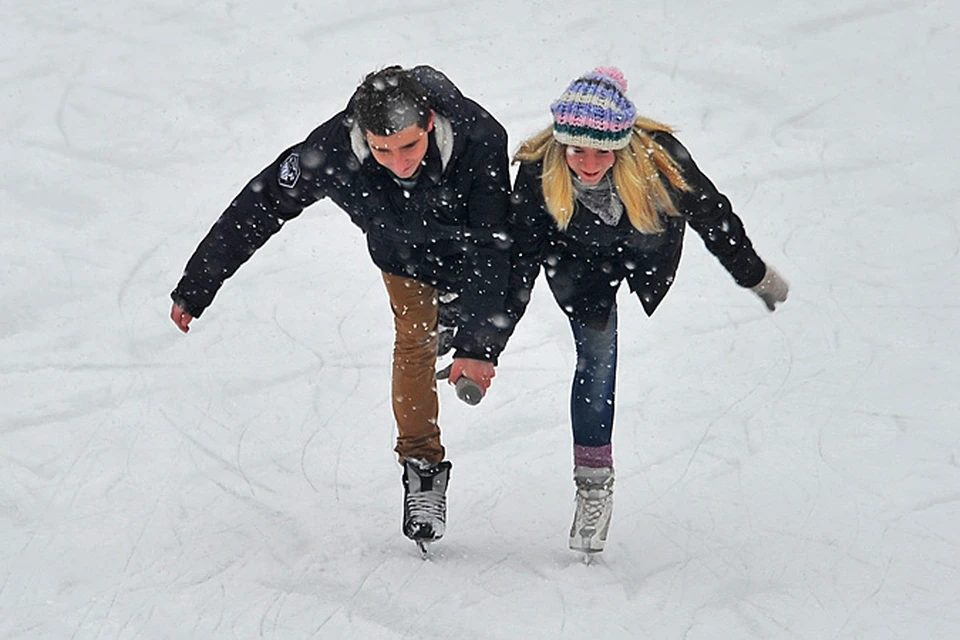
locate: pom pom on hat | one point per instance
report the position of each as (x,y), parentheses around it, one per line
(614,75)
(595,112)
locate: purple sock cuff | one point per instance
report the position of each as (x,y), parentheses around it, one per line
(593,456)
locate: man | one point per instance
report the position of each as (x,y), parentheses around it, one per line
(422,170)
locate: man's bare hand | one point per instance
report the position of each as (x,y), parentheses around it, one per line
(479,371)
(180,318)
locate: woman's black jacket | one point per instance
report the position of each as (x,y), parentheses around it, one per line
(586,263)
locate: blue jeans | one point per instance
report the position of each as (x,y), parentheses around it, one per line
(594,383)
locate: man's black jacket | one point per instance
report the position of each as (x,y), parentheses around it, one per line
(449,230)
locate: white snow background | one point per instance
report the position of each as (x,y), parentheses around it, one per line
(786,475)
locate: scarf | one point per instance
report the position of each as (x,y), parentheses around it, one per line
(601,199)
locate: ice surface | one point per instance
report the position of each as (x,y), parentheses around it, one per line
(792,475)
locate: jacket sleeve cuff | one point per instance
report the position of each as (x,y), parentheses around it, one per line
(756,274)
(485,357)
(184,304)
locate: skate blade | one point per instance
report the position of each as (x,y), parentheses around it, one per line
(424,547)
(587,555)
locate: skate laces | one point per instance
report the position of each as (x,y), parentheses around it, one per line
(427,505)
(593,498)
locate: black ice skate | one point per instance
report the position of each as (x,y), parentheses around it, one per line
(425,501)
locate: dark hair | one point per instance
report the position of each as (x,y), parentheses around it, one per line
(390,100)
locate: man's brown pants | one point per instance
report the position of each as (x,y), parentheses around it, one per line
(415,405)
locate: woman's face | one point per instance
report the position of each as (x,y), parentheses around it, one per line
(589,164)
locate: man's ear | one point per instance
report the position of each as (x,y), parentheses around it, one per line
(430,123)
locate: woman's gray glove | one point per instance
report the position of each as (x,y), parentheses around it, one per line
(772,289)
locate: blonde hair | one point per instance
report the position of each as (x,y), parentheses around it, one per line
(638,172)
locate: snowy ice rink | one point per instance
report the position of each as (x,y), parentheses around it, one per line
(792,475)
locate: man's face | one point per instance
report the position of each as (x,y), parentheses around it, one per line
(403,151)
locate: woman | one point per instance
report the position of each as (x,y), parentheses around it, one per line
(603,196)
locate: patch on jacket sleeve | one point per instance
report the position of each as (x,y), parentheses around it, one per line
(289,171)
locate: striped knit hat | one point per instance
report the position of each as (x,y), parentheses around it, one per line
(595,112)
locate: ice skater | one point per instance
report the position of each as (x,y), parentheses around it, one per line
(603,196)
(423,171)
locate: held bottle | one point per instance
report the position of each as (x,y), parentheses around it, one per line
(467,390)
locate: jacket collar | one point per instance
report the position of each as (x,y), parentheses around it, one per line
(442,138)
